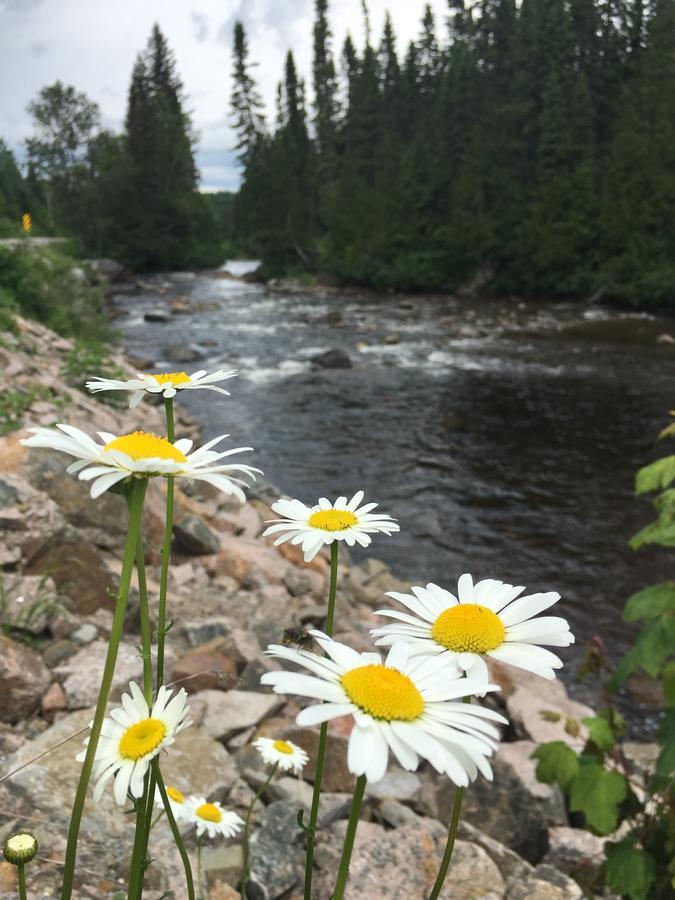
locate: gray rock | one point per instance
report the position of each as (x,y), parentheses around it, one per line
(515,808)
(277,854)
(56,653)
(85,634)
(200,631)
(332,359)
(512,866)
(227,713)
(24,678)
(396,784)
(395,814)
(221,862)
(183,353)
(546,883)
(577,853)
(156,315)
(28,602)
(193,535)
(298,583)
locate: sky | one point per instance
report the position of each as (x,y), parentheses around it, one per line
(92,45)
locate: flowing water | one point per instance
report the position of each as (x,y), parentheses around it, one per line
(504,436)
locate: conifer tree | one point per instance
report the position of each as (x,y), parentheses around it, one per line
(246,103)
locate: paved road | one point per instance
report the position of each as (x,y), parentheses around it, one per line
(33,241)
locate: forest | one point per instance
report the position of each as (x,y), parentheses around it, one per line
(515,149)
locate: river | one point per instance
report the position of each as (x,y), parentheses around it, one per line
(504,436)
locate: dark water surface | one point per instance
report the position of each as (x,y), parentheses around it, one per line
(503,436)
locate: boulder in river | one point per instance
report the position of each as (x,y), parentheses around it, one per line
(156,315)
(183,353)
(332,359)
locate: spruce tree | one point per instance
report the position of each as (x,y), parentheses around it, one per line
(246,103)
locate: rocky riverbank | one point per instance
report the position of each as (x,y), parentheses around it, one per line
(231,594)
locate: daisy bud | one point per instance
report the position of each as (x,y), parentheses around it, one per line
(20,848)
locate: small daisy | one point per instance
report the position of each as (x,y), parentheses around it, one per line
(285,754)
(142,455)
(408,704)
(211,818)
(327,522)
(484,619)
(177,802)
(166,383)
(132,736)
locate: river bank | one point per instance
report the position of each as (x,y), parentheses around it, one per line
(231,593)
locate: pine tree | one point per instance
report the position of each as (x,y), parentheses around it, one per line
(246,103)
(325,84)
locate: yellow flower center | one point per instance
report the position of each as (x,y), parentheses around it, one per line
(332,519)
(283,747)
(384,693)
(141,445)
(173,377)
(468,628)
(142,738)
(175,795)
(209,812)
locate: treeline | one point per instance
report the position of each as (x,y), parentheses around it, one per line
(133,196)
(529,149)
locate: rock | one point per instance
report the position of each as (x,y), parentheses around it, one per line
(156,315)
(515,808)
(246,559)
(227,713)
(512,867)
(54,654)
(53,701)
(396,784)
(28,602)
(336,776)
(78,570)
(206,667)
(665,338)
(223,863)
(202,630)
(194,536)
(221,890)
(80,675)
(277,854)
(24,678)
(546,883)
(540,710)
(298,583)
(183,353)
(368,582)
(392,339)
(85,634)
(332,359)
(403,864)
(640,758)
(109,270)
(577,853)
(395,814)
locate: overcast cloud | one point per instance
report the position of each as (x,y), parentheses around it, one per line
(92,44)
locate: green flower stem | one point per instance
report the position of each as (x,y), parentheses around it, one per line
(144,804)
(136,867)
(449,845)
(323,735)
(174,829)
(21,873)
(247,829)
(347,847)
(135,509)
(166,552)
(200,874)
(452,835)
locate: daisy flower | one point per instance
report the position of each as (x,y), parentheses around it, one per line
(177,802)
(166,383)
(141,455)
(485,619)
(132,736)
(285,754)
(408,704)
(327,522)
(211,818)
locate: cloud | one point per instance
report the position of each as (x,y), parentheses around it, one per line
(93,46)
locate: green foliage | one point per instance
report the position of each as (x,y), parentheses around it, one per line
(44,284)
(557,763)
(642,865)
(92,357)
(14,403)
(597,793)
(630,870)
(534,152)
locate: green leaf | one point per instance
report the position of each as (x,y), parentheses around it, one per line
(665,764)
(668,679)
(668,431)
(651,602)
(654,645)
(661,532)
(557,763)
(630,871)
(597,794)
(656,476)
(600,732)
